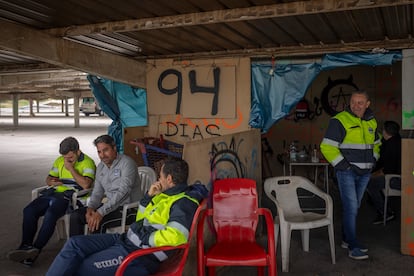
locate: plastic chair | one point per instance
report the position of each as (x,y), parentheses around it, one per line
(388,191)
(283,192)
(175,264)
(147,176)
(63,223)
(235,215)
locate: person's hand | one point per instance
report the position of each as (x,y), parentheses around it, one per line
(69,165)
(54,181)
(155,189)
(93,219)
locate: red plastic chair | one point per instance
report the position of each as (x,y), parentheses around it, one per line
(235,216)
(174,265)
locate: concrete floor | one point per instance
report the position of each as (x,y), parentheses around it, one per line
(28,151)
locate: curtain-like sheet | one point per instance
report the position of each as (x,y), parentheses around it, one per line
(276,90)
(275,93)
(124,104)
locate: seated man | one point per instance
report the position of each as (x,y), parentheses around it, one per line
(72,170)
(117,183)
(388,163)
(164,217)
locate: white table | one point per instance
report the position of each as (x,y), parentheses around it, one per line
(317,165)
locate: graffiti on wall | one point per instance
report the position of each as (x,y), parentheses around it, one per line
(177,126)
(193,92)
(225,161)
(336,95)
(194,87)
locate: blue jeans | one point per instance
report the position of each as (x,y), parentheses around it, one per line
(98,254)
(52,208)
(351,188)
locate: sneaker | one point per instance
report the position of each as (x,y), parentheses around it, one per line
(23,253)
(361,247)
(380,218)
(357,254)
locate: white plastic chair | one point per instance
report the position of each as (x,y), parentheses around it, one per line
(62,224)
(283,192)
(388,191)
(147,176)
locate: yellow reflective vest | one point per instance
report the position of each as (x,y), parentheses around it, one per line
(352,142)
(166,218)
(85,166)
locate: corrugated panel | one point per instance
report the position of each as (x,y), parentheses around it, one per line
(8,57)
(317,31)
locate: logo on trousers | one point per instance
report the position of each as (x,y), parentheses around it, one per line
(109,263)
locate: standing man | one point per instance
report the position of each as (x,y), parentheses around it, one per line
(72,170)
(117,183)
(164,217)
(388,163)
(351,145)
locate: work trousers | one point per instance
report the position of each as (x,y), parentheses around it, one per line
(99,254)
(51,207)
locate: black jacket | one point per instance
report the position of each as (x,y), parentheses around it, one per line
(390,156)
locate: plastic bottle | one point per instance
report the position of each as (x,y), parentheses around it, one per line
(292,151)
(315,157)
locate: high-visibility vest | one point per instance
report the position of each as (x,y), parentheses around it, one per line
(157,214)
(359,146)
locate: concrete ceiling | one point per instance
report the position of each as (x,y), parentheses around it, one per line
(47,47)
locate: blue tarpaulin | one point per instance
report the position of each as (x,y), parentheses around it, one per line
(276,90)
(124,104)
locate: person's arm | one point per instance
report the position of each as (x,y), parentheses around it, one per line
(377,146)
(176,229)
(178,226)
(93,218)
(98,192)
(330,145)
(84,181)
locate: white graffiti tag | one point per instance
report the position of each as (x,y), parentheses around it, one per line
(109,263)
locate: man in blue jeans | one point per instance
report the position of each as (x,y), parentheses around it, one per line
(351,145)
(72,170)
(164,217)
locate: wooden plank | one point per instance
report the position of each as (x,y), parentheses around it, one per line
(407,197)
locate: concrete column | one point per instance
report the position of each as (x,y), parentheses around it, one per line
(31,107)
(66,107)
(15,110)
(76,108)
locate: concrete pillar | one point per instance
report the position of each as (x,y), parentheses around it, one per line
(66,107)
(76,108)
(31,107)
(15,110)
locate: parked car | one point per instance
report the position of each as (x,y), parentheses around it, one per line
(90,106)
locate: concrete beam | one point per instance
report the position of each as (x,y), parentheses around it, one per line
(299,51)
(229,15)
(67,54)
